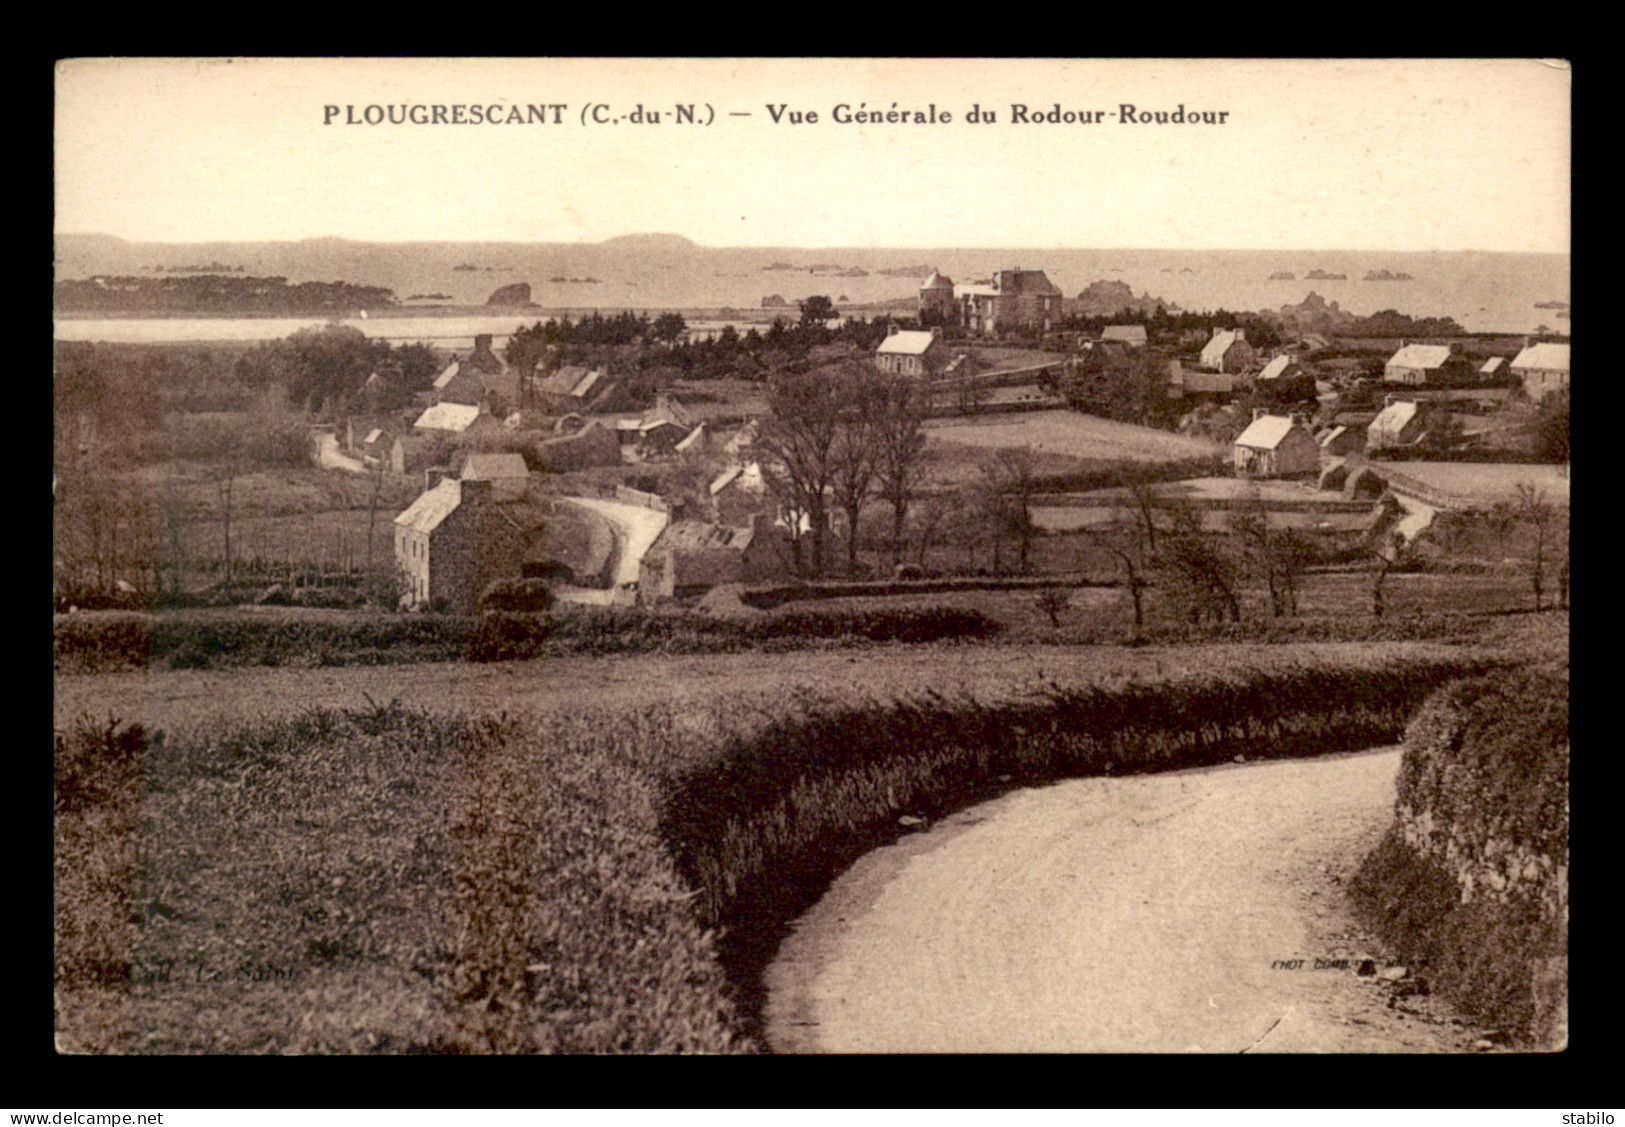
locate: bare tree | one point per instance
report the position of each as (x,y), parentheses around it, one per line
(1279,556)
(855,456)
(899,419)
(1542,517)
(798,441)
(936,510)
(1198,571)
(1126,540)
(376,477)
(1052,601)
(1011,481)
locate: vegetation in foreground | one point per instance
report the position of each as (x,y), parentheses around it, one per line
(1488,760)
(394,881)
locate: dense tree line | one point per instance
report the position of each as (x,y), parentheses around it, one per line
(639,342)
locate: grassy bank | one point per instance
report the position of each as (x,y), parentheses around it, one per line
(1470,884)
(391,880)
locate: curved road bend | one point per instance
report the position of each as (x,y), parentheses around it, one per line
(1142,914)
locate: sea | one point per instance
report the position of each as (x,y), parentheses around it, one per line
(1482,291)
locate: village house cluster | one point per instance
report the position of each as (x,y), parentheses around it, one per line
(488,513)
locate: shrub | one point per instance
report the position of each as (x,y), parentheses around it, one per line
(529,596)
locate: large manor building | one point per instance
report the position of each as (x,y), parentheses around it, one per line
(1012,299)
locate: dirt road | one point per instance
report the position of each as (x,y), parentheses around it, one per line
(330,457)
(1182,912)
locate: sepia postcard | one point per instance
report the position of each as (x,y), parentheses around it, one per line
(780,555)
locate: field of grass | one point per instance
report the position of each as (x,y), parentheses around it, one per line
(1074,435)
(385,879)
(1489,482)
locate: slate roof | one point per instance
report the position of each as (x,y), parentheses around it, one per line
(1546,357)
(938,281)
(565,380)
(1265,432)
(1129,334)
(698,536)
(448,416)
(696,438)
(1276,367)
(749,476)
(432,506)
(443,380)
(1394,416)
(1423,356)
(906,343)
(1213,351)
(491,467)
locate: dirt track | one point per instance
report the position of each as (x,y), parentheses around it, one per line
(1158,913)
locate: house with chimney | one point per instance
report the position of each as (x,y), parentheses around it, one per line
(1276,446)
(456,420)
(662,428)
(480,379)
(1543,368)
(1421,365)
(912,353)
(455,540)
(1401,423)
(1227,351)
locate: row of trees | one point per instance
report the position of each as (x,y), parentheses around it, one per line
(638,342)
(837,438)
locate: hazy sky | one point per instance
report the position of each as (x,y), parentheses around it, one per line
(1317,154)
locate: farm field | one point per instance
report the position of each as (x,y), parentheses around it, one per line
(1489,482)
(1078,436)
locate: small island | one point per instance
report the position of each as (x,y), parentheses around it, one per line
(1386,276)
(588,281)
(214,294)
(1551,305)
(1283,276)
(1324,276)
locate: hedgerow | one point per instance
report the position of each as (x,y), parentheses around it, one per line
(1484,782)
(391,880)
(93,643)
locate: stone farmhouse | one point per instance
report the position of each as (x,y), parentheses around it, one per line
(1276,446)
(1227,351)
(691,556)
(506,472)
(455,419)
(1014,299)
(455,540)
(1423,364)
(1543,368)
(907,353)
(1401,423)
(480,380)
